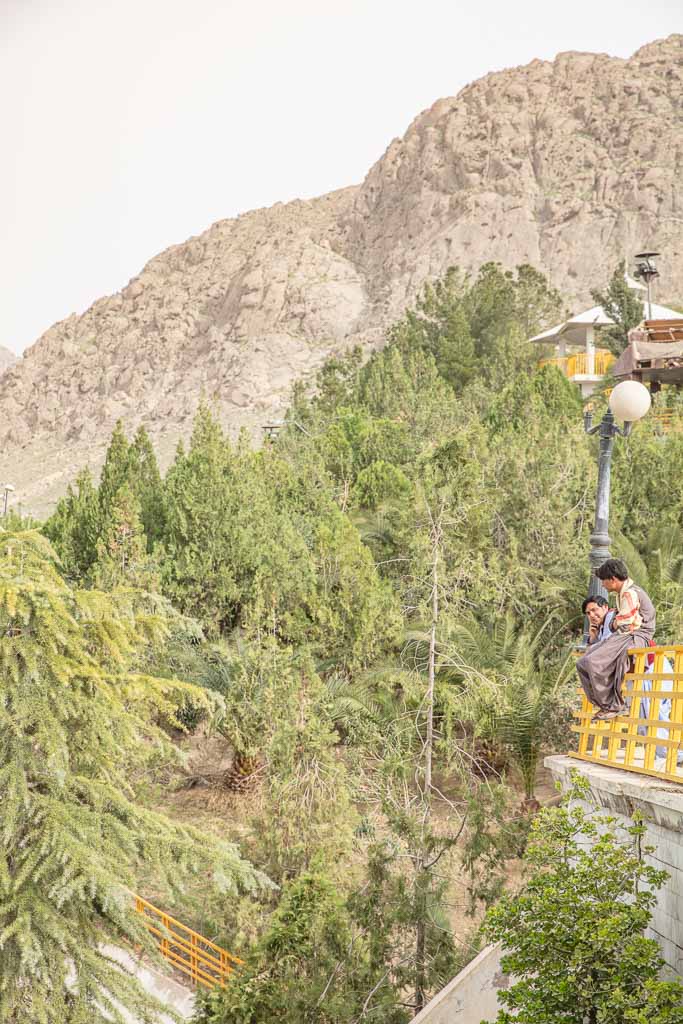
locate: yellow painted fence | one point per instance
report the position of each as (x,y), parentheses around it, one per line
(665,420)
(200,959)
(577,364)
(648,738)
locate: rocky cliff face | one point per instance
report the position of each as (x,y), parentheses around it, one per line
(569,165)
(7,359)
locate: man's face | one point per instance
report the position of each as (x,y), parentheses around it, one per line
(612,585)
(596,613)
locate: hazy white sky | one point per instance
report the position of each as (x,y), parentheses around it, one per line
(129,125)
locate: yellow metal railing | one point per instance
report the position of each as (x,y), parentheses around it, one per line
(577,364)
(201,960)
(665,420)
(648,738)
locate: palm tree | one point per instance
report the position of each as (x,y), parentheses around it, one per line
(660,572)
(514,689)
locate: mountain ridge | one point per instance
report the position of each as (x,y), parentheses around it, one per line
(568,165)
(7,359)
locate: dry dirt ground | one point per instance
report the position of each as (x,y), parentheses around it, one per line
(234,817)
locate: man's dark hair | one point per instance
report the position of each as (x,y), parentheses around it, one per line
(613,568)
(598,599)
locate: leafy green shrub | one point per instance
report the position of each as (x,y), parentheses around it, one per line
(573,939)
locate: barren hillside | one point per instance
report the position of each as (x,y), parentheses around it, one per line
(568,165)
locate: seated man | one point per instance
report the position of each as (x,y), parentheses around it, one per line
(602,668)
(599,618)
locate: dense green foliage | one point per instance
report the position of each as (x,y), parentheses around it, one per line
(574,939)
(78,719)
(380,600)
(622,305)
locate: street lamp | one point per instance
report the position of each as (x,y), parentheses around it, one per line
(629,401)
(8,489)
(645,268)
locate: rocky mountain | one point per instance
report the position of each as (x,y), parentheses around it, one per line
(568,164)
(7,359)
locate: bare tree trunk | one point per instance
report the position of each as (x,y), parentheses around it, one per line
(429,738)
(422,870)
(421,939)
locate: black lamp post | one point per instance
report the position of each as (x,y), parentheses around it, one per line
(7,488)
(629,401)
(645,268)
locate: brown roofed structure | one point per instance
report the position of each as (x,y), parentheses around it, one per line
(654,354)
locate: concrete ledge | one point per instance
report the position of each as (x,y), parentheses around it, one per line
(472,996)
(625,792)
(179,999)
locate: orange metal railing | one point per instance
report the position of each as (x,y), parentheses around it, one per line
(201,960)
(649,738)
(577,364)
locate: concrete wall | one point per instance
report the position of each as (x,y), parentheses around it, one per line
(661,804)
(166,989)
(472,996)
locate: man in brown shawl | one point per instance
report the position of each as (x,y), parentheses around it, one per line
(602,668)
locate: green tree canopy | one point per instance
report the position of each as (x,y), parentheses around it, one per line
(574,938)
(74,528)
(623,305)
(77,722)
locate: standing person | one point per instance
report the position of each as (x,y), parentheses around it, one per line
(603,666)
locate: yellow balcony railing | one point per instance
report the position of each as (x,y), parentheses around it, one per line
(577,364)
(648,738)
(201,960)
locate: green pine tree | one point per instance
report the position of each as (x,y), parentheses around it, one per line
(201,503)
(622,305)
(122,558)
(537,304)
(115,471)
(74,527)
(145,482)
(76,726)
(439,325)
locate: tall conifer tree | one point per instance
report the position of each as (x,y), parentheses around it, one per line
(146,485)
(122,558)
(115,471)
(75,725)
(74,527)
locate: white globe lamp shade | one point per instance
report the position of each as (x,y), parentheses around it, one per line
(629,401)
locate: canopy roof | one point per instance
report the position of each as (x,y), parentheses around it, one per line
(574,330)
(634,285)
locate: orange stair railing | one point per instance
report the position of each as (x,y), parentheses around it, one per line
(192,954)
